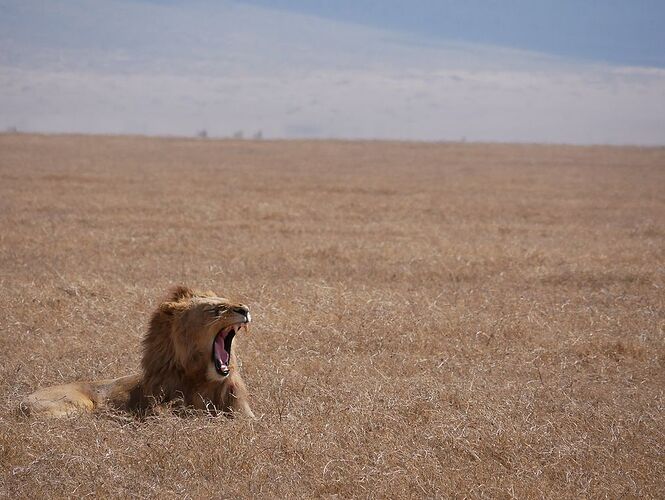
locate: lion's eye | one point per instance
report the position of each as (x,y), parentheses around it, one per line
(214,310)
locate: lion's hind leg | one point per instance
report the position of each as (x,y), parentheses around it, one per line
(59,401)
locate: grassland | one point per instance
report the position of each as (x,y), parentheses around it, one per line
(430,320)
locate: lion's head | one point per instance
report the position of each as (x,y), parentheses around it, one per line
(190,342)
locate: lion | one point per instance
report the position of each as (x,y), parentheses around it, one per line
(189,360)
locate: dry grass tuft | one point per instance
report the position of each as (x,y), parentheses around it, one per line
(430,320)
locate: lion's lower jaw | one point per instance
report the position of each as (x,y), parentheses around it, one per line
(213,376)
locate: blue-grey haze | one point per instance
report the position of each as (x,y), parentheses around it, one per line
(618,31)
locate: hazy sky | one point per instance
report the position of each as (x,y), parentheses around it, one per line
(533,71)
(617,31)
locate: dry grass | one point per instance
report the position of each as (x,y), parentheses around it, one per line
(430,320)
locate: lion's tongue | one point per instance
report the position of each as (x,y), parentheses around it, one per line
(220,352)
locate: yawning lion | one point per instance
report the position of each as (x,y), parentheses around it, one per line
(188,358)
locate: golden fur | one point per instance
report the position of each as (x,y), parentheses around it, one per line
(179,364)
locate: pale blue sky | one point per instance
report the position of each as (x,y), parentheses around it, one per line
(617,31)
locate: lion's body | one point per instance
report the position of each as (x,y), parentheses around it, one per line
(64,399)
(177,366)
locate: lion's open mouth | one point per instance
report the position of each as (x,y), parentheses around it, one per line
(221,348)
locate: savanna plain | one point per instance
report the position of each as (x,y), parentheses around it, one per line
(430,320)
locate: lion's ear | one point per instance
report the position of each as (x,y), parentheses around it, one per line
(169,307)
(181,292)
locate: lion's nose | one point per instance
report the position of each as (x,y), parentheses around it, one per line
(244,310)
